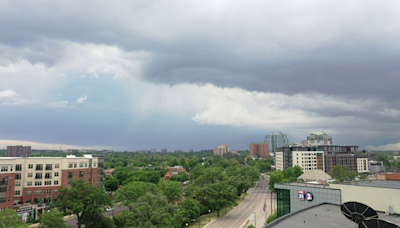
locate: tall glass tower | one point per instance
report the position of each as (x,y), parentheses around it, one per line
(276,140)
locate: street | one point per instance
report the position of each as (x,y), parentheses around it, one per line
(254,202)
(71,223)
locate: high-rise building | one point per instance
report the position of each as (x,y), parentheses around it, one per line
(178,151)
(276,140)
(153,150)
(18,151)
(190,151)
(164,150)
(221,150)
(260,149)
(319,138)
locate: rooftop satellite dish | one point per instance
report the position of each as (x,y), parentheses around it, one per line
(357,212)
(377,223)
(391,211)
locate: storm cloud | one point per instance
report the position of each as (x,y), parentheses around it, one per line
(262,66)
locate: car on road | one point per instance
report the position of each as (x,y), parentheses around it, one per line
(109,209)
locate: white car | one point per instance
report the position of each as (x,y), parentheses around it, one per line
(110,209)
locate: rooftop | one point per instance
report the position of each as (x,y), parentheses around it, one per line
(258,143)
(311,185)
(322,215)
(319,132)
(373,183)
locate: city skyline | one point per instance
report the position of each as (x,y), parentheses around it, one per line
(136,75)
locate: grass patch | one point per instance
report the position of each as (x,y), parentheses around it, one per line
(213,215)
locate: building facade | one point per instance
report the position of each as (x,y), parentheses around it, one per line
(36,179)
(319,138)
(164,150)
(276,140)
(221,150)
(260,149)
(322,157)
(376,167)
(153,150)
(18,151)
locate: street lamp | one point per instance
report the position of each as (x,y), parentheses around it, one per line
(187,224)
(209,212)
(194,197)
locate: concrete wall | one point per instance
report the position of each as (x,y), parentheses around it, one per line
(377,198)
(321,195)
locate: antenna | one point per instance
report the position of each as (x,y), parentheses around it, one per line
(357,212)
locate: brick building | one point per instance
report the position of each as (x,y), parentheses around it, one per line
(221,150)
(18,151)
(260,149)
(36,179)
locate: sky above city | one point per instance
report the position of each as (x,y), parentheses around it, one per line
(184,74)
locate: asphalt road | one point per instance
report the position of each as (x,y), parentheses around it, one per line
(254,202)
(71,223)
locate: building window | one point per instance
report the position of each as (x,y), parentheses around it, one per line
(38,176)
(29,183)
(85,164)
(57,166)
(17,193)
(18,167)
(94,164)
(10,189)
(47,176)
(39,167)
(74,173)
(49,167)
(80,174)
(2,199)
(30,166)
(94,178)
(17,183)
(47,183)
(70,165)
(3,189)
(47,191)
(29,174)
(56,174)
(10,168)
(28,200)
(17,176)
(38,183)
(85,172)
(85,180)
(55,190)
(29,192)
(94,171)
(75,165)
(38,192)
(10,178)
(4,168)
(81,165)
(55,182)
(4,180)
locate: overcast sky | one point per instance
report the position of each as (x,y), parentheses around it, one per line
(130,75)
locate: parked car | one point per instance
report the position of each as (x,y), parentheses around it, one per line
(110,209)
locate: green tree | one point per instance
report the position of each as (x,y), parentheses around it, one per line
(182,160)
(150,211)
(128,194)
(220,194)
(364,151)
(241,183)
(272,217)
(9,218)
(210,176)
(83,200)
(111,184)
(173,191)
(276,177)
(181,177)
(251,226)
(51,219)
(196,172)
(342,173)
(297,171)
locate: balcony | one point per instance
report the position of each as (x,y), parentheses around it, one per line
(3,182)
(49,168)
(38,177)
(47,177)
(39,168)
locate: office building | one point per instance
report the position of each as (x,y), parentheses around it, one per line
(221,150)
(321,157)
(164,150)
(153,150)
(18,151)
(276,140)
(259,149)
(36,179)
(376,167)
(319,138)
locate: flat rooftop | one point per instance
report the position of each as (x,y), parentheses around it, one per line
(323,215)
(373,183)
(311,185)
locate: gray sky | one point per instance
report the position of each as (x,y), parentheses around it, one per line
(188,74)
